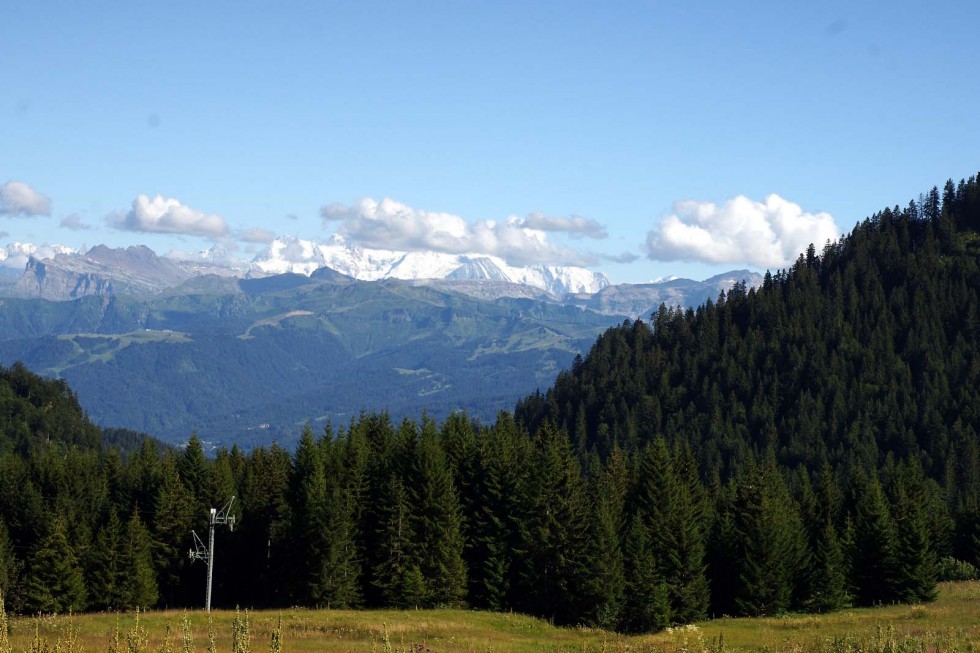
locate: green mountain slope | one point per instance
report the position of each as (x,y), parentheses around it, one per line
(252,361)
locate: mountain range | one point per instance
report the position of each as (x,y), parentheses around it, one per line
(247,352)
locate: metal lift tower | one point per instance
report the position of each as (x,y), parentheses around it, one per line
(200,552)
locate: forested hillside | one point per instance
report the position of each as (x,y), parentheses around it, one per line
(867,349)
(806,446)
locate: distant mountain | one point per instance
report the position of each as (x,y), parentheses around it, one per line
(249,360)
(248,351)
(640,300)
(61,273)
(294,255)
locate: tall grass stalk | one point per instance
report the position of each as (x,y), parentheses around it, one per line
(168,641)
(240,638)
(115,642)
(38,644)
(136,638)
(186,636)
(275,645)
(4,638)
(212,636)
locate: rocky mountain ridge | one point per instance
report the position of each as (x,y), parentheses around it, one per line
(60,273)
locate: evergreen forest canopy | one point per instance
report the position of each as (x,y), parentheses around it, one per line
(805,446)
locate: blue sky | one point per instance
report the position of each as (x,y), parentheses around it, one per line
(561,132)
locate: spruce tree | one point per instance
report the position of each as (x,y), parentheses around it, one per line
(55,582)
(337,584)
(673,516)
(437,521)
(646,605)
(10,569)
(138,584)
(769,543)
(395,575)
(557,530)
(604,580)
(107,571)
(873,544)
(915,560)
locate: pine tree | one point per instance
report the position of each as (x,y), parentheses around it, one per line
(557,532)
(173,520)
(10,569)
(915,560)
(437,521)
(107,571)
(138,586)
(395,576)
(674,517)
(337,584)
(605,581)
(872,545)
(769,543)
(55,582)
(646,607)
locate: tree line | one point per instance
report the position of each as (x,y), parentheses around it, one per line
(493,517)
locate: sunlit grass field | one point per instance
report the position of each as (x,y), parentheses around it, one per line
(952,623)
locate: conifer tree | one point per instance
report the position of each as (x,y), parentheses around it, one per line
(10,569)
(173,520)
(646,605)
(674,522)
(872,545)
(107,570)
(604,578)
(55,582)
(138,584)
(769,543)
(557,530)
(915,560)
(338,581)
(396,575)
(437,521)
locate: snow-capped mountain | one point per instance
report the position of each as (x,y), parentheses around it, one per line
(57,272)
(289,254)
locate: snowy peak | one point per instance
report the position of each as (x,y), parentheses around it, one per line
(302,256)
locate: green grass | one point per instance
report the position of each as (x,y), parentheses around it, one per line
(952,623)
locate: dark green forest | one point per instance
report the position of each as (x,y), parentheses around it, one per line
(804,446)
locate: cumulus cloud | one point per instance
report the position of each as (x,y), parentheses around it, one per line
(164,215)
(391,225)
(18,198)
(572,224)
(771,233)
(257,235)
(73,222)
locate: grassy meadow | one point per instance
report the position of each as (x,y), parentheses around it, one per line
(952,623)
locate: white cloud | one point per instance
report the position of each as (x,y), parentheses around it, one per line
(15,255)
(572,224)
(391,225)
(768,234)
(257,235)
(18,198)
(164,215)
(73,222)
